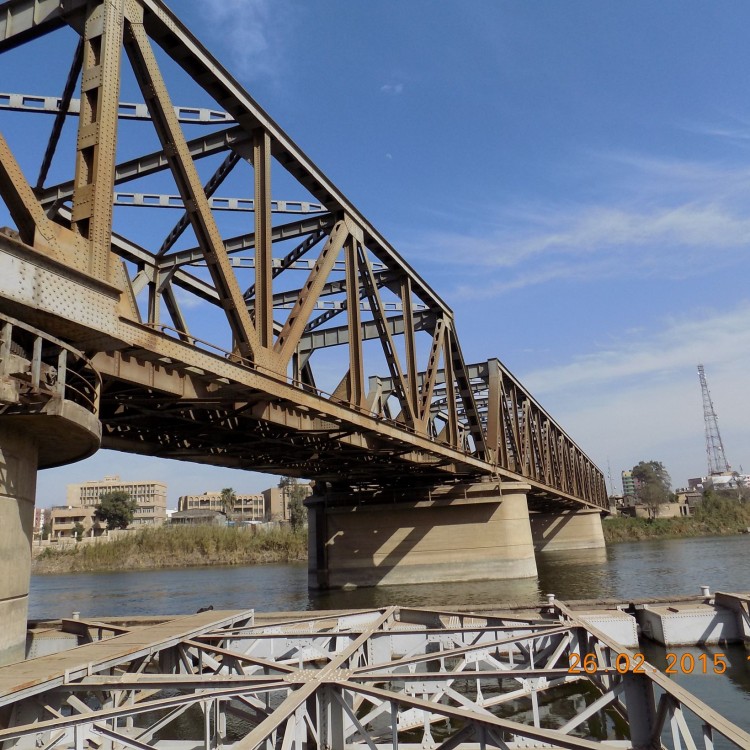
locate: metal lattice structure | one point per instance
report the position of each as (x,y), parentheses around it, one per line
(403,678)
(717,460)
(251,331)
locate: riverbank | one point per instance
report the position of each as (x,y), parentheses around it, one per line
(192,546)
(713,518)
(177,547)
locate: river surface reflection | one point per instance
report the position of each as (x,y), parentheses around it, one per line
(623,571)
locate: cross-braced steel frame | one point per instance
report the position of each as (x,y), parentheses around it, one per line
(210,346)
(394,677)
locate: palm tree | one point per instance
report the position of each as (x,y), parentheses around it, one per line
(228,499)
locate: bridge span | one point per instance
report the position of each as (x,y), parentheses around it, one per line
(277,331)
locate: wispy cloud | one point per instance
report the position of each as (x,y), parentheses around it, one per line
(669,219)
(731,128)
(638,398)
(394,89)
(189,301)
(247,34)
(678,346)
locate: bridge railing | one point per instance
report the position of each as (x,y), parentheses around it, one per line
(375,410)
(35,366)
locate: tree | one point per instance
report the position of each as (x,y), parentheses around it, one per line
(653,485)
(78,531)
(116,509)
(228,499)
(295,494)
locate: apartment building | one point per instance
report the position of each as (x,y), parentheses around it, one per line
(277,501)
(244,507)
(66,523)
(149,495)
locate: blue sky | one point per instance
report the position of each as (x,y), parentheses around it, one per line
(572,178)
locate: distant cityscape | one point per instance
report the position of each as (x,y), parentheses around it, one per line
(685,499)
(77,518)
(719,479)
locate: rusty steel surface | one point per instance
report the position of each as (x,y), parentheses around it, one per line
(231,333)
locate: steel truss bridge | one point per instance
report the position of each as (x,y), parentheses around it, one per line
(274,330)
(400,678)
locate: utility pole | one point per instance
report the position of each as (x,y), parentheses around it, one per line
(717,460)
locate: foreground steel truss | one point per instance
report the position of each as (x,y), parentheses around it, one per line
(209,348)
(395,677)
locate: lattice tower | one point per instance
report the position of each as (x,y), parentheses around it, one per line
(717,460)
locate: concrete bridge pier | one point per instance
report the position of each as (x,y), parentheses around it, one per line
(465,532)
(27,444)
(18,467)
(49,397)
(567,529)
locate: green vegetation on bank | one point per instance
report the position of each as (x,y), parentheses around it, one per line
(715,515)
(178,547)
(188,546)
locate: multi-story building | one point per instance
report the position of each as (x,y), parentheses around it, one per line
(629,489)
(244,507)
(41,516)
(150,497)
(67,522)
(277,501)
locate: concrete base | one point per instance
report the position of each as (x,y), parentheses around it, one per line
(59,433)
(18,466)
(687,624)
(567,530)
(474,532)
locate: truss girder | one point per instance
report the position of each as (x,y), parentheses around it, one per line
(520,435)
(396,677)
(433,416)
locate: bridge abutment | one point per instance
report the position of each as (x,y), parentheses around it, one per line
(567,530)
(468,532)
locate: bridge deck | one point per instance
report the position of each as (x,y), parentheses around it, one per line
(54,669)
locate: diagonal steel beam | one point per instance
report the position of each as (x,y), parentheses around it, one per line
(173,142)
(370,288)
(149,164)
(70,84)
(247,241)
(292,331)
(172,35)
(287,262)
(213,184)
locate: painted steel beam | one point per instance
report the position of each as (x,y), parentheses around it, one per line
(359,679)
(326,337)
(520,433)
(168,31)
(153,163)
(162,200)
(247,242)
(53,105)
(23,20)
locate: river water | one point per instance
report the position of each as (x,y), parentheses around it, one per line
(623,571)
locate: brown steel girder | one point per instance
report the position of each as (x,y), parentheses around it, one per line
(252,402)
